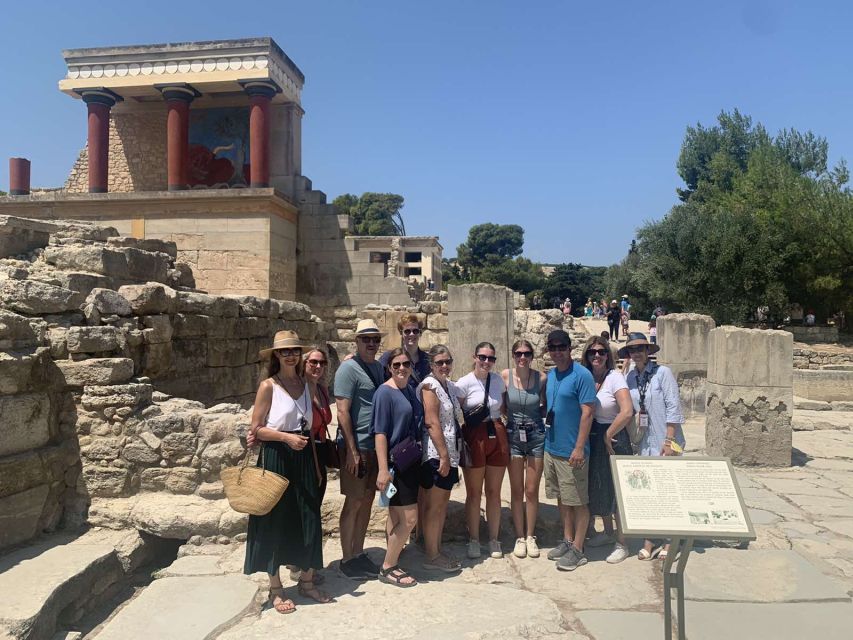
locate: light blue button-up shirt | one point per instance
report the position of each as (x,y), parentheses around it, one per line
(663,404)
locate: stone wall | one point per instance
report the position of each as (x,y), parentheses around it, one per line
(808,358)
(749,396)
(481,312)
(137,153)
(825,385)
(683,341)
(814,335)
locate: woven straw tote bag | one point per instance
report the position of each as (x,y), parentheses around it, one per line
(253,490)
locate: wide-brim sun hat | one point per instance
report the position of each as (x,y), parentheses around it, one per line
(283,340)
(635,340)
(368,328)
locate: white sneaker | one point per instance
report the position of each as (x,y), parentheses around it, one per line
(495,549)
(619,553)
(600,539)
(532,547)
(520,550)
(473,549)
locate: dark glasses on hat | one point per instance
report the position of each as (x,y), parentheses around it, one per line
(405,364)
(484,358)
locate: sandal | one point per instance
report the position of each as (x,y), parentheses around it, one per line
(645,554)
(285,605)
(663,553)
(395,575)
(442,563)
(307,589)
(295,574)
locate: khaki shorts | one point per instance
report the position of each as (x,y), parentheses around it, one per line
(568,484)
(358,488)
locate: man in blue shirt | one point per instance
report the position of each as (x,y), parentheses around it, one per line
(570,401)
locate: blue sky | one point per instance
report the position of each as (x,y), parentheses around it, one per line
(563,117)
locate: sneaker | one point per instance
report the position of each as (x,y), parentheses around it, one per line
(473,549)
(571,560)
(520,550)
(619,553)
(560,550)
(370,568)
(532,547)
(353,570)
(495,550)
(600,539)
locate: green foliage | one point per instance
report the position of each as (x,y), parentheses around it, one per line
(519,274)
(490,244)
(373,214)
(576,282)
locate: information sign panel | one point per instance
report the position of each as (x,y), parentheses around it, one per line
(675,496)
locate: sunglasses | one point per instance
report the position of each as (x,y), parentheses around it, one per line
(443,363)
(523,354)
(316,363)
(596,352)
(558,347)
(411,332)
(289,353)
(484,358)
(370,340)
(398,365)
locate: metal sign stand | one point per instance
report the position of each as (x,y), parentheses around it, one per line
(680,547)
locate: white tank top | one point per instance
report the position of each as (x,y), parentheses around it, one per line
(285,412)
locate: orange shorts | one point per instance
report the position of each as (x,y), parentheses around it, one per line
(486,451)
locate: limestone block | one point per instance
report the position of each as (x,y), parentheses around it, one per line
(222,454)
(91,339)
(202,304)
(58,346)
(104,449)
(683,338)
(232,523)
(823,384)
(21,235)
(109,302)
(234,381)
(481,312)
(16,331)
(105,481)
(90,258)
(181,275)
(121,395)
(83,282)
(150,298)
(26,422)
(253,327)
(96,371)
(253,306)
(750,357)
(157,329)
(138,452)
(178,445)
(430,307)
(20,514)
(253,348)
(22,371)
(221,327)
(145,265)
(147,244)
(182,480)
(37,298)
(153,479)
(157,359)
(190,325)
(189,355)
(226,353)
(437,321)
(179,517)
(22,471)
(290,310)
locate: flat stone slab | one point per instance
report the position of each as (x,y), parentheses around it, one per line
(37,582)
(820,420)
(739,621)
(824,444)
(201,565)
(448,609)
(622,625)
(757,575)
(183,609)
(843,526)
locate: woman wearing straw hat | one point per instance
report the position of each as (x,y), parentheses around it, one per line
(654,393)
(292,533)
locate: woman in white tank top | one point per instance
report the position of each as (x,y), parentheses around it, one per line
(292,533)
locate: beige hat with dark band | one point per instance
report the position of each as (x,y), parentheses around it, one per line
(368,328)
(283,340)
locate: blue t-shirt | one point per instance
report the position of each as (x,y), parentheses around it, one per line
(565,393)
(396,414)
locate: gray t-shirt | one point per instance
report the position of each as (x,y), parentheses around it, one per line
(353,383)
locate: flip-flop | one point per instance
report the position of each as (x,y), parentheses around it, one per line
(395,575)
(285,605)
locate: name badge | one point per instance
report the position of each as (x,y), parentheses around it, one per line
(643,420)
(522,434)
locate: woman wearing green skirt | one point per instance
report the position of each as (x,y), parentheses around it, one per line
(292,533)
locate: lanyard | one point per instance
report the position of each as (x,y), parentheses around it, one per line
(643,381)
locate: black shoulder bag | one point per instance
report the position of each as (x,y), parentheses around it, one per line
(480,413)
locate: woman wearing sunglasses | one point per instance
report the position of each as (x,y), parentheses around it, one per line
(315,364)
(526,433)
(397,415)
(292,533)
(440,469)
(486,437)
(613,411)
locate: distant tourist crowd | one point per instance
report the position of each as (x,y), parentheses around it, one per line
(405,430)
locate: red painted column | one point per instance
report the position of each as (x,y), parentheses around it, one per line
(260,95)
(178,99)
(99,102)
(19,177)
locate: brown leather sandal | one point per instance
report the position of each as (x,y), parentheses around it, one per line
(308,590)
(285,605)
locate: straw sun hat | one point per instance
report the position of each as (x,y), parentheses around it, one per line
(368,328)
(283,340)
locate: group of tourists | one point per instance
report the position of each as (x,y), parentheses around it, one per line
(406,429)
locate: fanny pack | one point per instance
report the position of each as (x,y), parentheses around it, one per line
(405,454)
(481,412)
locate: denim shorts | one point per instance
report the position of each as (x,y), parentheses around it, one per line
(535,445)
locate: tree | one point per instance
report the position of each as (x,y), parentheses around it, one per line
(490,244)
(373,214)
(576,282)
(519,274)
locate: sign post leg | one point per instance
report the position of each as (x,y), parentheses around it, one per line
(680,547)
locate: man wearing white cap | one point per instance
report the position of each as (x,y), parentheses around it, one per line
(355,383)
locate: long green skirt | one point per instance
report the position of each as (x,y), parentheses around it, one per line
(292,533)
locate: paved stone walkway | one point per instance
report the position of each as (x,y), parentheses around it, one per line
(794,581)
